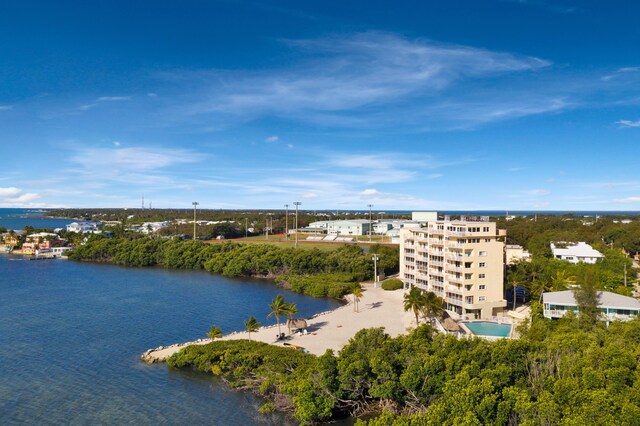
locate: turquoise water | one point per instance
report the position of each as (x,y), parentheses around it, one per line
(71,334)
(485,328)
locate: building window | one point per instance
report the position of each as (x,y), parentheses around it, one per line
(467,276)
(487,240)
(482,264)
(482,287)
(468,264)
(485,229)
(480,275)
(482,253)
(481,298)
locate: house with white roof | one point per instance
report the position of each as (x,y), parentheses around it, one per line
(575,252)
(612,306)
(82,227)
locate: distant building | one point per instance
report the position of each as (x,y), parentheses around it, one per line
(575,252)
(514,253)
(41,241)
(82,227)
(612,306)
(461,261)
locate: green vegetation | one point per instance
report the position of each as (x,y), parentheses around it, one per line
(278,307)
(557,373)
(548,274)
(312,272)
(251,325)
(536,234)
(392,284)
(214,332)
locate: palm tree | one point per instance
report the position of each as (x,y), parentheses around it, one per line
(278,307)
(560,281)
(432,305)
(414,301)
(251,324)
(214,333)
(357,294)
(289,311)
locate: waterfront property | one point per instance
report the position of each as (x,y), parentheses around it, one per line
(487,328)
(612,306)
(575,252)
(82,227)
(461,261)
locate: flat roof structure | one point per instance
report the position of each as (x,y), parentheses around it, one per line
(612,305)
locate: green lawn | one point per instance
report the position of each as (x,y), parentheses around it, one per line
(279,240)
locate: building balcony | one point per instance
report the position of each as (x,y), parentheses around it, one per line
(454,289)
(436,272)
(454,279)
(459,233)
(455,244)
(436,263)
(454,256)
(436,241)
(452,268)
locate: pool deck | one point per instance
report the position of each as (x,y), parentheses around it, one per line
(497,320)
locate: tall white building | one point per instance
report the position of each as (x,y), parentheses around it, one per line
(461,261)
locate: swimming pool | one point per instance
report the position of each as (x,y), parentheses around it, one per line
(486,328)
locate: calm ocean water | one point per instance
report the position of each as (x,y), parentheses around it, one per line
(19,218)
(71,334)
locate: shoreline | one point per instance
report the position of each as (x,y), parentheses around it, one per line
(326,330)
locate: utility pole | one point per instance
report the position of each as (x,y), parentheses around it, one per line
(370,205)
(245,228)
(266,229)
(195,207)
(286,222)
(375,259)
(297,203)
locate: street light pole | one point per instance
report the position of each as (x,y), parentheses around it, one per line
(286,222)
(375,259)
(297,203)
(195,206)
(370,205)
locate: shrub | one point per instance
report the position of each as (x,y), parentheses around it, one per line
(392,284)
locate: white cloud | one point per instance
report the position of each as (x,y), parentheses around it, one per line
(6,107)
(369,193)
(290,145)
(627,200)
(116,143)
(628,123)
(272,139)
(15,197)
(113,98)
(132,165)
(361,73)
(310,195)
(620,71)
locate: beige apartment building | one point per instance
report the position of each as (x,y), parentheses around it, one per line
(461,261)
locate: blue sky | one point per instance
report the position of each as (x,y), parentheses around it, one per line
(469,105)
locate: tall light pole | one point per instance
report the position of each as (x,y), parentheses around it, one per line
(195,206)
(370,205)
(375,259)
(245,228)
(286,222)
(297,203)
